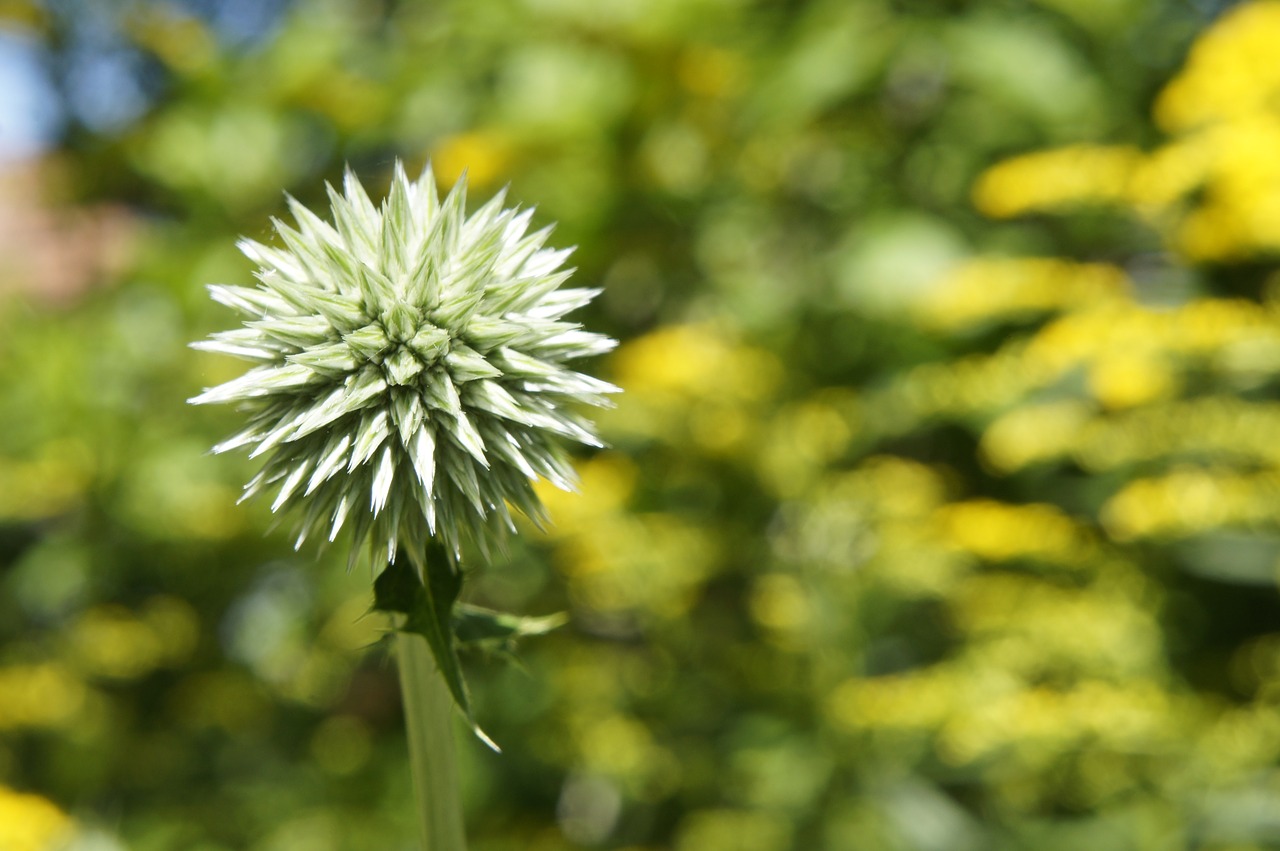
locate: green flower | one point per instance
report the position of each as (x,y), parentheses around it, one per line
(411,379)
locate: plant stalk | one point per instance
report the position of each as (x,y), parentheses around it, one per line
(428,712)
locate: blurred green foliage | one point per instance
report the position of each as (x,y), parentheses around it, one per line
(920,530)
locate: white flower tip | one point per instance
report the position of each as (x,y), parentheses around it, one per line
(204,398)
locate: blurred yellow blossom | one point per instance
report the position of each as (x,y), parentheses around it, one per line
(655,562)
(44,695)
(1171,171)
(618,560)
(1199,327)
(872,520)
(484,156)
(994,288)
(111,641)
(800,442)
(898,487)
(970,719)
(605,486)
(999,531)
(971,383)
(1231,72)
(1124,379)
(692,360)
(1048,180)
(31,823)
(1236,214)
(695,381)
(721,429)
(921,700)
(1190,500)
(1221,108)
(615,745)
(780,603)
(1031,433)
(1041,723)
(1035,628)
(1207,426)
(1235,742)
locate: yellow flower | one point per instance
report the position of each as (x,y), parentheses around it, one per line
(1231,73)
(31,823)
(1222,108)
(1048,180)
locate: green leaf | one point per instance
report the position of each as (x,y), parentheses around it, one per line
(428,611)
(474,626)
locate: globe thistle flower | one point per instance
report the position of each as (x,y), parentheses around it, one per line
(411,377)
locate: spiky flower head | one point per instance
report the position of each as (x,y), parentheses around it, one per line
(411,376)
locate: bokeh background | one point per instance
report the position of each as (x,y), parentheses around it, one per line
(942,506)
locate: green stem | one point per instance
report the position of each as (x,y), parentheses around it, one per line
(428,712)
